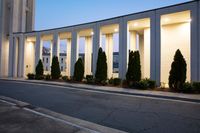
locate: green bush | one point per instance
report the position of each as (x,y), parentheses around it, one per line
(55,68)
(101,70)
(187,87)
(178,71)
(134,68)
(143,84)
(47,77)
(152,84)
(39,77)
(39,70)
(89,79)
(79,70)
(31,76)
(111,81)
(65,78)
(196,86)
(116,81)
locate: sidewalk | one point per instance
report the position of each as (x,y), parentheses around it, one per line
(20,117)
(146,93)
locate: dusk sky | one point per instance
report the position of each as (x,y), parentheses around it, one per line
(60,13)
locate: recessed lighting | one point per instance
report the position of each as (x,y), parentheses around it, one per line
(116,30)
(135,24)
(166,19)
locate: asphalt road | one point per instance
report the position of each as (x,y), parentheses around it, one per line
(127,113)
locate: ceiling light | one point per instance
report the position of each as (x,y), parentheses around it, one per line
(92,33)
(135,24)
(116,30)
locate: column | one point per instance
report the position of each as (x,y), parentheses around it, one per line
(74,51)
(109,54)
(55,51)
(95,46)
(68,56)
(88,55)
(15,57)
(11,50)
(123,49)
(21,56)
(38,49)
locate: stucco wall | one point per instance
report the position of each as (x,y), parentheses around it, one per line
(173,37)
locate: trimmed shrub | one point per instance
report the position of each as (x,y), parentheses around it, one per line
(31,76)
(187,87)
(89,79)
(116,81)
(39,69)
(143,84)
(47,77)
(152,84)
(65,78)
(177,75)
(39,77)
(196,86)
(79,70)
(111,81)
(101,70)
(134,67)
(55,68)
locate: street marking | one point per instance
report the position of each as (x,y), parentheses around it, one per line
(110,93)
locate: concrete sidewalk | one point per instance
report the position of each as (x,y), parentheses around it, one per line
(146,93)
(20,117)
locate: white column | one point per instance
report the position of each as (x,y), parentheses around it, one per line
(123,48)
(74,51)
(38,49)
(15,57)
(109,54)
(55,44)
(95,46)
(133,41)
(68,56)
(21,56)
(11,50)
(88,55)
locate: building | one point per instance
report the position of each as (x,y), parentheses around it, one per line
(157,34)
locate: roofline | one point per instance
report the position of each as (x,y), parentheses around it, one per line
(107,19)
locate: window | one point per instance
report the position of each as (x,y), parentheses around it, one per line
(47,60)
(61,68)
(61,60)
(46,68)
(43,59)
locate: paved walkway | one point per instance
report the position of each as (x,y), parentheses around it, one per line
(20,117)
(148,93)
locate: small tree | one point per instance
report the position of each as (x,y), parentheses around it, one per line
(177,74)
(39,69)
(134,67)
(101,70)
(79,70)
(55,68)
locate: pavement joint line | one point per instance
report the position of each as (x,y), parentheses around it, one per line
(149,96)
(60,120)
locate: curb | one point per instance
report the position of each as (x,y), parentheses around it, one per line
(82,124)
(111,91)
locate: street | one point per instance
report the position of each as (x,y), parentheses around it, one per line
(126,113)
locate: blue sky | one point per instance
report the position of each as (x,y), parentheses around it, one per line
(59,13)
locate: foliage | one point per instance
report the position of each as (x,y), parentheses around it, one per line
(55,68)
(117,81)
(79,70)
(39,69)
(178,70)
(31,76)
(134,67)
(187,87)
(47,77)
(89,79)
(196,86)
(101,70)
(65,78)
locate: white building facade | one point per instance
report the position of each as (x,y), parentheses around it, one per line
(157,34)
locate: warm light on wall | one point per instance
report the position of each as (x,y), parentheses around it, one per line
(92,33)
(189,20)
(135,24)
(116,30)
(166,19)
